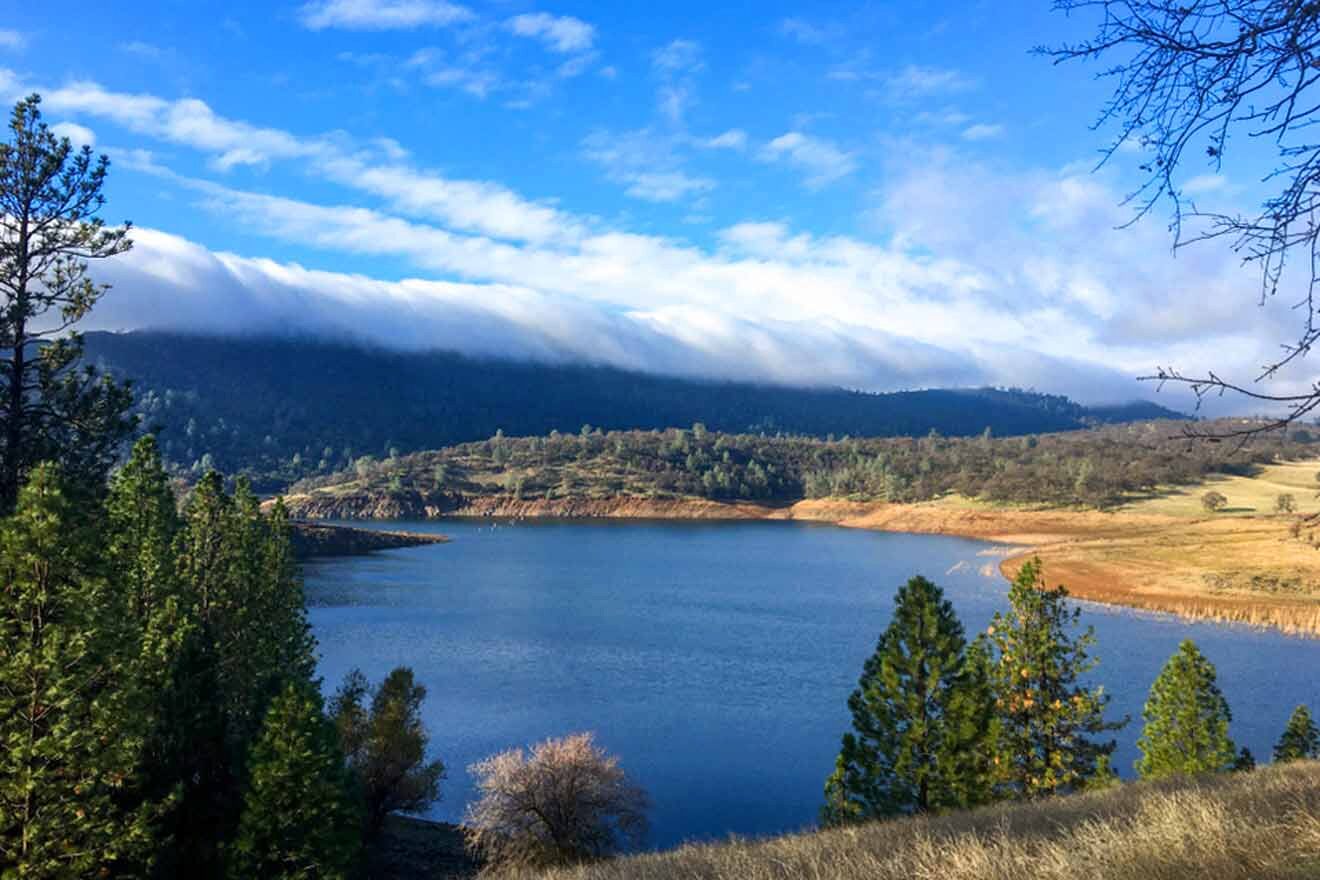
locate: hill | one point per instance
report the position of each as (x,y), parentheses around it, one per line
(1111,511)
(1261,825)
(281,409)
(1099,467)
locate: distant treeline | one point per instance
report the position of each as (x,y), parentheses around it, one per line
(281,409)
(1095,468)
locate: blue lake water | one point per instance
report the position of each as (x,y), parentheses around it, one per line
(715,659)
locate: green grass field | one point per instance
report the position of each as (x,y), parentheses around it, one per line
(1247,496)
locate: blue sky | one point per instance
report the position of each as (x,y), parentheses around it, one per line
(880,195)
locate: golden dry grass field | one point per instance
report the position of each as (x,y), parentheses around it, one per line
(1165,552)
(1262,825)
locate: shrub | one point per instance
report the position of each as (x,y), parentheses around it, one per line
(1285,503)
(1213,501)
(566,802)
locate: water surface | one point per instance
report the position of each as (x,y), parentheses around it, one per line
(715,659)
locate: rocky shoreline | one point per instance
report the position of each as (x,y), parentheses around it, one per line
(312,540)
(1146,561)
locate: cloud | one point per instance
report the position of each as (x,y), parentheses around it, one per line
(974,273)
(11,39)
(675,65)
(1047,293)
(982,131)
(1204,183)
(916,81)
(481,206)
(79,135)
(822,161)
(733,139)
(563,34)
(646,162)
(806,33)
(677,57)
(142,50)
(380,15)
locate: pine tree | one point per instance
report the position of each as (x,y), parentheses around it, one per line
(1187,720)
(301,818)
(919,712)
(51,408)
(69,738)
(1049,720)
(183,767)
(386,747)
(239,568)
(238,572)
(1301,738)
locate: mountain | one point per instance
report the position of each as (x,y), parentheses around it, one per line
(281,409)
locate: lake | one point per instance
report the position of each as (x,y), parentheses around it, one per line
(715,659)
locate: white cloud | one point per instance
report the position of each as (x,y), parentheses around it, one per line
(733,139)
(822,160)
(1204,183)
(677,57)
(379,15)
(563,34)
(646,162)
(917,81)
(979,275)
(806,33)
(78,135)
(982,131)
(11,39)
(665,186)
(142,50)
(948,116)
(466,204)
(1012,279)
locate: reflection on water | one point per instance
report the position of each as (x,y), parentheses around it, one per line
(714,658)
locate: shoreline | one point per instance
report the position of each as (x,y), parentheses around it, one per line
(1228,569)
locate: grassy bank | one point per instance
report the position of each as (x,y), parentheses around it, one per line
(1261,825)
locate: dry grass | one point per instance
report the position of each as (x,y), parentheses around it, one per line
(1263,825)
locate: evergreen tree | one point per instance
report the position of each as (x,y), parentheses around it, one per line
(301,818)
(386,748)
(1186,720)
(238,565)
(52,409)
(238,572)
(69,734)
(182,762)
(919,713)
(1301,738)
(1049,720)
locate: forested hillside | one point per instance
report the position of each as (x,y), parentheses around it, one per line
(282,409)
(1093,468)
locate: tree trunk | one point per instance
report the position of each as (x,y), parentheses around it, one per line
(14,424)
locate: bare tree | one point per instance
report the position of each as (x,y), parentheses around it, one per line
(565,802)
(1190,77)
